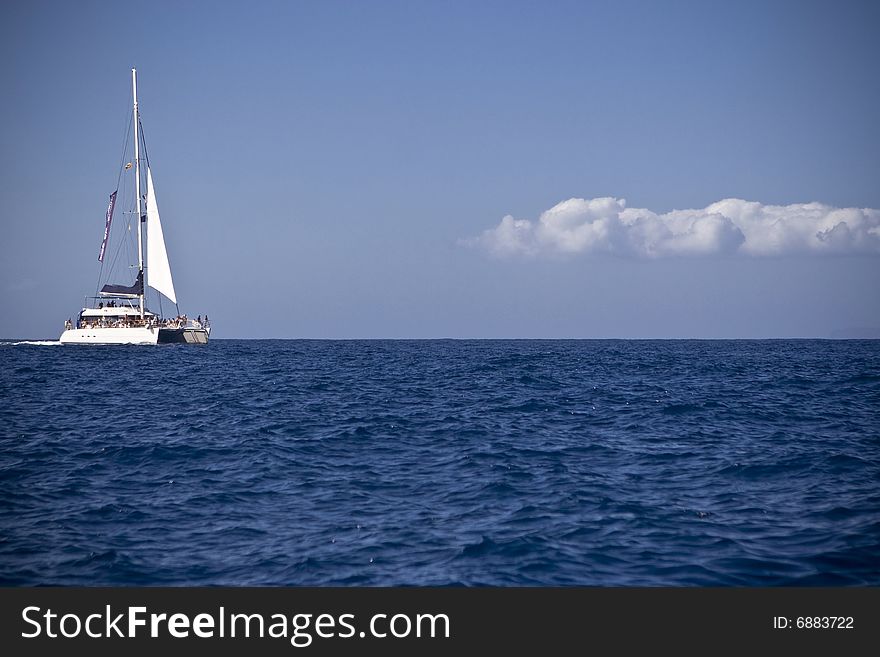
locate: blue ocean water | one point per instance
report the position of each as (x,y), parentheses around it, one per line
(611,463)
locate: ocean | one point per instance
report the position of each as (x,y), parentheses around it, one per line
(441,462)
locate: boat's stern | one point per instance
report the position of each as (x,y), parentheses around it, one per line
(186,335)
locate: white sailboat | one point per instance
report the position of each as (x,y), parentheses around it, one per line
(118,314)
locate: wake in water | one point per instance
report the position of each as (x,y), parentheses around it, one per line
(38,343)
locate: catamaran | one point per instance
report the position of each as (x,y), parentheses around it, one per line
(117,313)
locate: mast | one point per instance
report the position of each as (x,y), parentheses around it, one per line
(137,187)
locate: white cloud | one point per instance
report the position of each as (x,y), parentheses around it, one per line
(731,226)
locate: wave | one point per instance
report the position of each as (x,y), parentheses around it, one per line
(434,463)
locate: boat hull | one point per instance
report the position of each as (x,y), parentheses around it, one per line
(138,335)
(183,336)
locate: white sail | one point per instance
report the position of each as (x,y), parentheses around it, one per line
(158,269)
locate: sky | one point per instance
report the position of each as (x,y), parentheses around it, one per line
(418,169)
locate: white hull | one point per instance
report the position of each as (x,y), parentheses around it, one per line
(139,335)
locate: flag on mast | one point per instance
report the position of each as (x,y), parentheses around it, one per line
(107,226)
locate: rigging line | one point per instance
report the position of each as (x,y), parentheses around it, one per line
(143,139)
(130,237)
(124,150)
(100,278)
(100,275)
(119,246)
(118,181)
(121,240)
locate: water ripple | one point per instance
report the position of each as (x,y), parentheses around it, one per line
(613,463)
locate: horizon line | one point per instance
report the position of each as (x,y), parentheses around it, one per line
(506,339)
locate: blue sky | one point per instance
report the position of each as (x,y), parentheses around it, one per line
(341,169)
